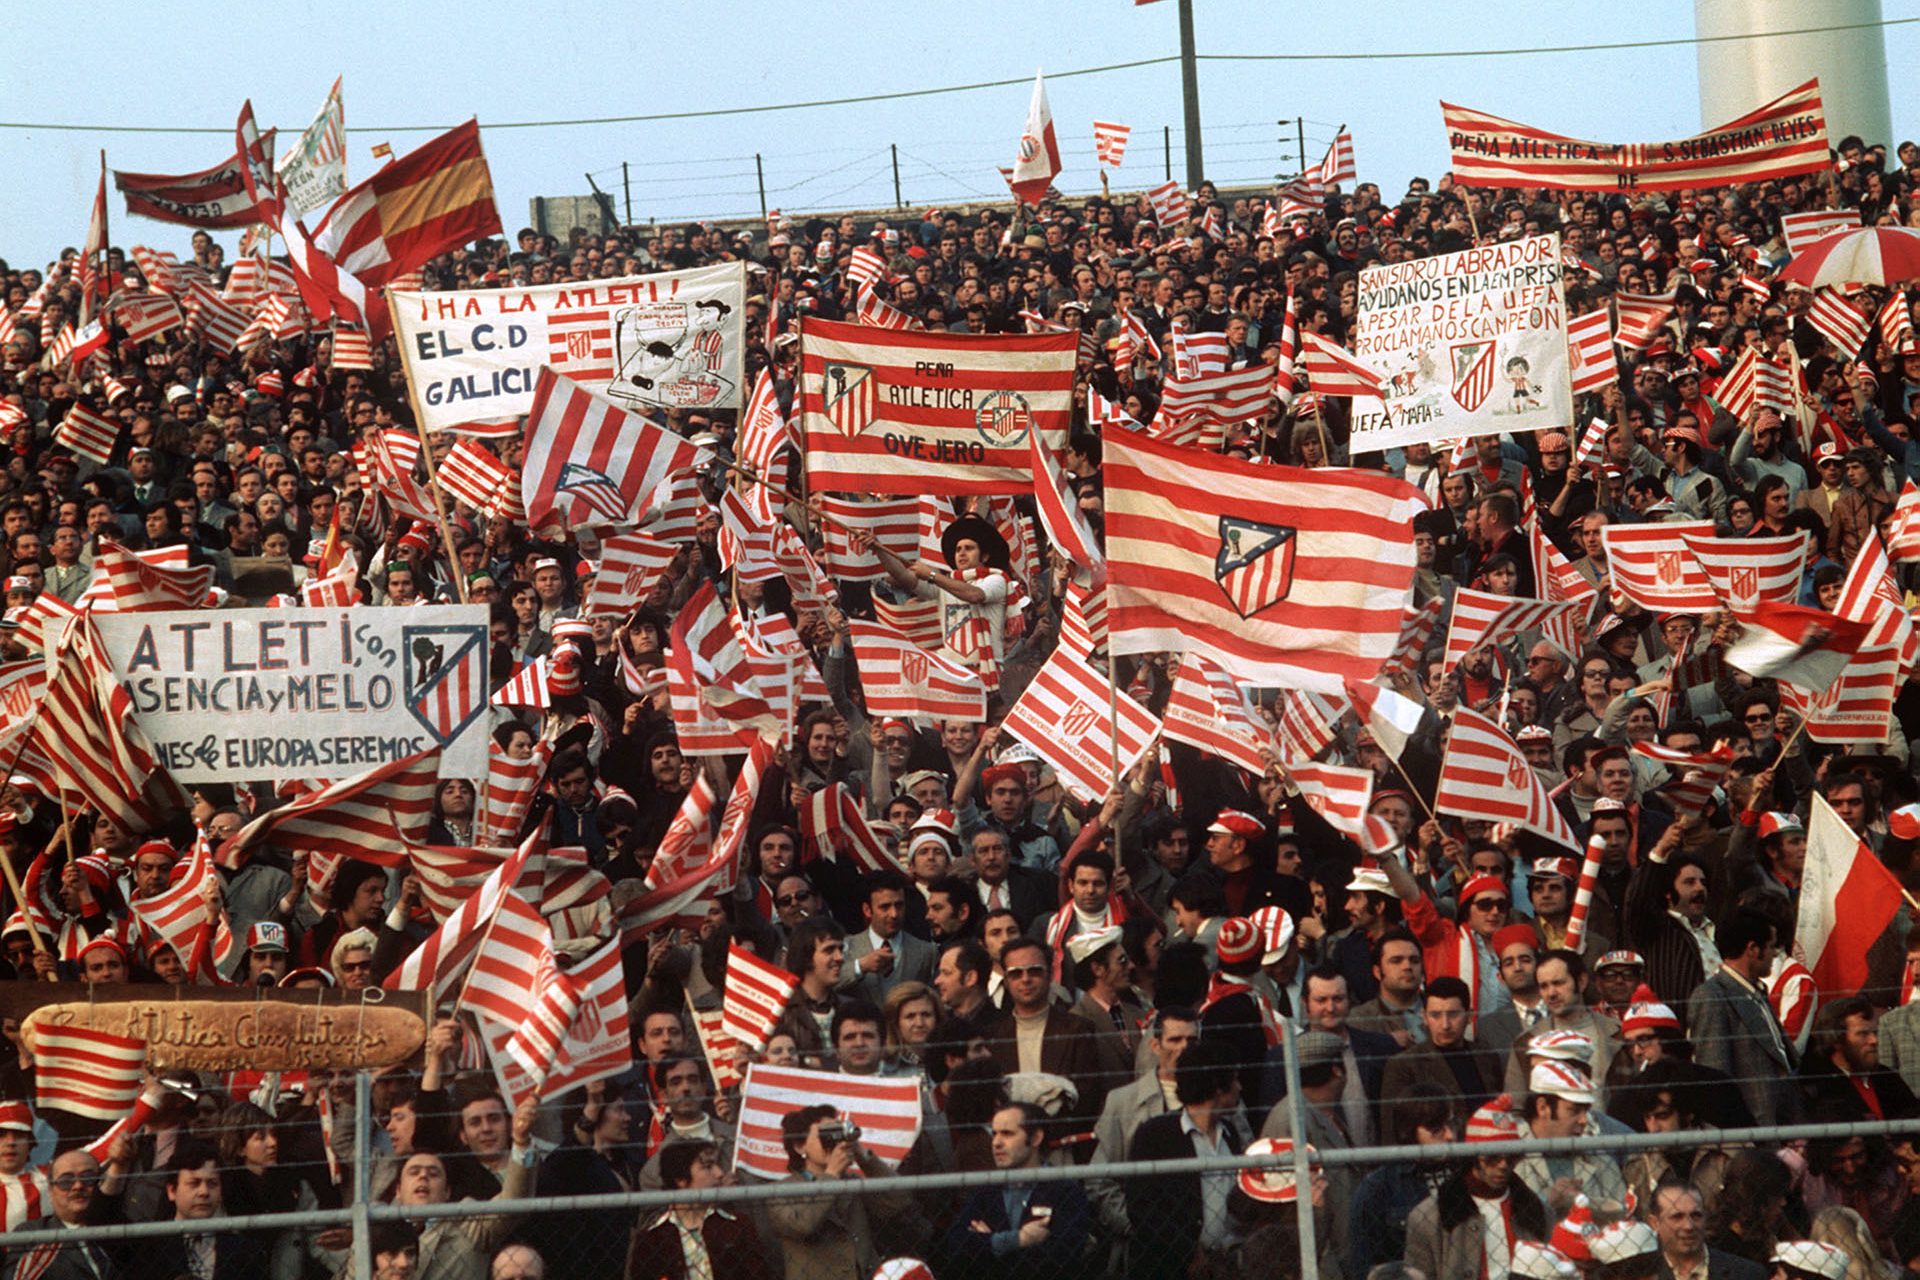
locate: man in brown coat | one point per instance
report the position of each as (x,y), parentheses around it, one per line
(1448,1060)
(663,1246)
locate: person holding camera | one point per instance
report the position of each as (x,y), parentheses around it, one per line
(831,1236)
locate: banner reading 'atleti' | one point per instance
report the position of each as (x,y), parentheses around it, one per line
(895,411)
(1786,136)
(675,340)
(1467,343)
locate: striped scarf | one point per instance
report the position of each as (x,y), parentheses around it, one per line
(1226,984)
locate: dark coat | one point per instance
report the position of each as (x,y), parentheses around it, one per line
(733,1246)
(1165,1211)
(1067,1048)
(1830,1094)
(241,1256)
(1721,1266)
(1371,1050)
(1058,1258)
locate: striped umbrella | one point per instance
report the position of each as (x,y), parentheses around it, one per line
(1869,255)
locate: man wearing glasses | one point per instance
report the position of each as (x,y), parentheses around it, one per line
(1462,947)
(79,1195)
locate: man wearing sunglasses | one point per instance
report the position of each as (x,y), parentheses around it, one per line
(80,1194)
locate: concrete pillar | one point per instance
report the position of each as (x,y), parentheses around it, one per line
(1738,75)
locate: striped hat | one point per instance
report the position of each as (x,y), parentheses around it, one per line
(1562,1046)
(1561,1080)
(1493,1122)
(1541,1262)
(1810,1258)
(1483,884)
(1238,941)
(1273,1183)
(903,1269)
(1647,1013)
(1773,823)
(565,679)
(1276,932)
(16,1116)
(1626,1240)
(1627,959)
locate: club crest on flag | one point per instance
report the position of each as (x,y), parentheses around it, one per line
(1667,566)
(445,683)
(579,344)
(847,392)
(1518,773)
(595,488)
(913,668)
(1029,148)
(1254,565)
(1743,584)
(1004,418)
(1472,373)
(1078,720)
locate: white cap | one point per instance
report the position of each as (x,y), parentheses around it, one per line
(1815,1259)
(1561,1080)
(1562,1046)
(1623,1241)
(1082,945)
(1541,1262)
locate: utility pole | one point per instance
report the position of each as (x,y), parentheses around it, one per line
(760,176)
(898,203)
(626,186)
(1300,128)
(1190,98)
(1166,147)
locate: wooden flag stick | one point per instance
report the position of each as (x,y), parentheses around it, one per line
(426,453)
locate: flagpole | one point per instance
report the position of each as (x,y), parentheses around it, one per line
(1113,723)
(426,452)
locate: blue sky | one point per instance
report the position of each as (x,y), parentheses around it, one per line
(431,62)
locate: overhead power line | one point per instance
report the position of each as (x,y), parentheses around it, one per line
(900,95)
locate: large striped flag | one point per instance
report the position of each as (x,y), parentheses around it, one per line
(1335,371)
(475,476)
(371,816)
(1696,774)
(1338,165)
(1481,618)
(1590,351)
(177,913)
(893,522)
(887,1109)
(1857,707)
(944,413)
(832,826)
(1060,514)
(1651,565)
(899,678)
(1067,715)
(85,1072)
(684,900)
(215,319)
(93,746)
(755,996)
(144,581)
(1335,792)
(437,197)
(1308,723)
(1216,400)
(444,956)
(1848,905)
(1802,230)
(574,1033)
(1169,204)
(871,309)
(687,843)
(1285,577)
(213,198)
(87,432)
(505,979)
(1839,321)
(1745,571)
(1208,710)
(1485,776)
(447,875)
(1640,317)
(1785,136)
(590,462)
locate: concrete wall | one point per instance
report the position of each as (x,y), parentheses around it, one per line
(1738,75)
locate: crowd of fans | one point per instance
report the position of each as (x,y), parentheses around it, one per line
(1074,983)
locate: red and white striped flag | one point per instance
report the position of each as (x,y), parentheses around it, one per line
(1651,565)
(1208,710)
(1417,624)
(893,522)
(1754,382)
(1857,707)
(88,433)
(687,844)
(1066,717)
(351,348)
(1334,371)
(1170,204)
(177,913)
(871,309)
(1745,571)
(833,827)
(576,1032)
(1583,891)
(1110,142)
(85,1072)
(916,619)
(1640,317)
(866,268)
(1195,354)
(755,995)
(504,981)
(1802,230)
(1590,351)
(1796,645)
(1839,321)
(528,688)
(1593,444)
(899,678)
(631,566)
(449,875)
(1695,774)
(1215,401)
(1083,617)
(1339,165)
(1335,792)
(1287,358)
(721,1050)
(370,816)
(144,581)
(1060,515)
(1903,526)
(1870,594)
(215,319)
(93,746)
(1485,776)
(764,433)
(590,462)
(1481,618)
(887,1109)
(1306,723)
(1286,577)
(1895,322)
(473,475)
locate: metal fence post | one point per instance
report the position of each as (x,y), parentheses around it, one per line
(1302,1167)
(362,1175)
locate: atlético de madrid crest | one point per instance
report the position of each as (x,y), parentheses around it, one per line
(849,395)
(1254,565)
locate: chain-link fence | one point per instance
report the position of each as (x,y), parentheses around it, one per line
(1227,1218)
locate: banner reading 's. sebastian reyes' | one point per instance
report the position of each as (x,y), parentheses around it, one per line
(676,340)
(1786,136)
(908,411)
(1467,343)
(238,694)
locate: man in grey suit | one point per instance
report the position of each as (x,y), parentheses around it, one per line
(1679,1219)
(1732,1026)
(883,955)
(1517,947)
